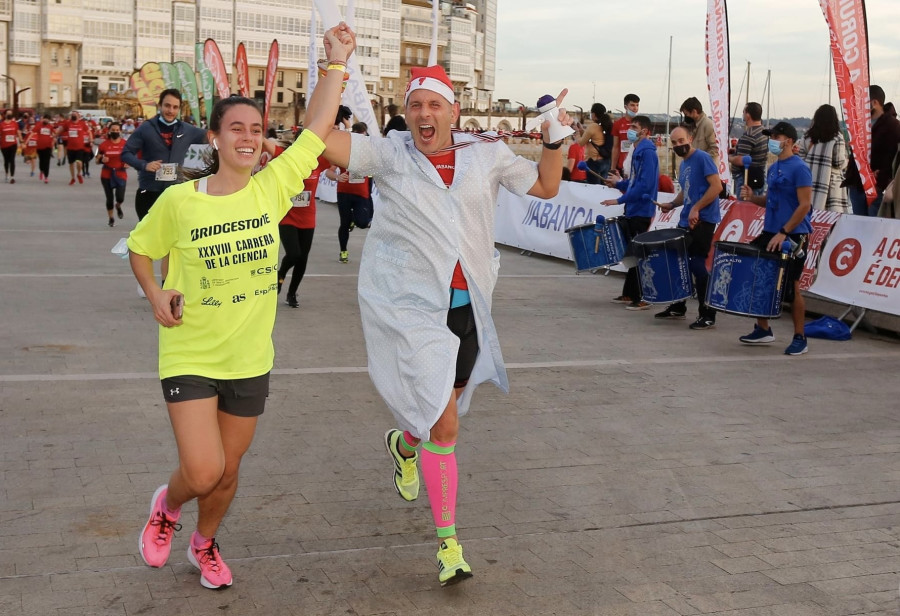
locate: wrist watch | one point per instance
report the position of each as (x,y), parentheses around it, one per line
(783,232)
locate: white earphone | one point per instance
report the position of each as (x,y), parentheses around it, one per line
(215,144)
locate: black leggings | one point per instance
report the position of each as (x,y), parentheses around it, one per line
(44,157)
(297,243)
(143,201)
(9,160)
(108,189)
(355,209)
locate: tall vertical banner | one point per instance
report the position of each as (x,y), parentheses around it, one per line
(356,97)
(242,70)
(847,28)
(432,53)
(189,88)
(206,80)
(271,71)
(147,84)
(718,77)
(212,57)
(313,70)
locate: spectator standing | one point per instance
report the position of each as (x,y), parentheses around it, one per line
(704,132)
(575,155)
(621,146)
(755,145)
(885,139)
(396,122)
(597,141)
(824,151)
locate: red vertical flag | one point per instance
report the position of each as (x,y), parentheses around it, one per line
(850,48)
(242,70)
(212,57)
(271,71)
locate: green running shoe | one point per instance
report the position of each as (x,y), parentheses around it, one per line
(406,475)
(452,568)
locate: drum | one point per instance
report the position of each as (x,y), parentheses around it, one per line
(598,245)
(663,265)
(747,280)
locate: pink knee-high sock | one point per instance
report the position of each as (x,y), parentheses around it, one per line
(441,480)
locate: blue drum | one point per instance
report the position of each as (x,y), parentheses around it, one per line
(598,245)
(663,265)
(747,280)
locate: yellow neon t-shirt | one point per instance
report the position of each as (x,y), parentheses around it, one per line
(223,256)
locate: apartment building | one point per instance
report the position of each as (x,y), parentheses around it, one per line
(75,52)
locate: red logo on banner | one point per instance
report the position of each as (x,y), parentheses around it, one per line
(845,257)
(733,231)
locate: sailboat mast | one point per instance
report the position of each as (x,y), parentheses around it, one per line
(747,99)
(768,96)
(669,100)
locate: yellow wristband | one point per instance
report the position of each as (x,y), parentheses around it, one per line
(337,67)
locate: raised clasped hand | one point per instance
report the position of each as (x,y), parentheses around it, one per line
(340,41)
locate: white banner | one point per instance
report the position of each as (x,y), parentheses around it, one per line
(313,57)
(356,97)
(327,189)
(539,225)
(718,78)
(860,264)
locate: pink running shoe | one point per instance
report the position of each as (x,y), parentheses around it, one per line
(156,539)
(214,573)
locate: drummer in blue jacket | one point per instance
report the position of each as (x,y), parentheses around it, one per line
(699,196)
(787,200)
(639,193)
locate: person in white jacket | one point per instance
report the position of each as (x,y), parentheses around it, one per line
(427,274)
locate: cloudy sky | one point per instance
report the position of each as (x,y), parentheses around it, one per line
(603,49)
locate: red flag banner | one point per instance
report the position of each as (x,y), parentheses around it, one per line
(271,71)
(212,57)
(850,49)
(718,78)
(242,70)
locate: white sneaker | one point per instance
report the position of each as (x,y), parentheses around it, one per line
(141,292)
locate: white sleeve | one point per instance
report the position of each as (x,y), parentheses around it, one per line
(517,174)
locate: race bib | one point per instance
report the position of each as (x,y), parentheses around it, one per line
(626,145)
(301,200)
(10,138)
(356,179)
(168,172)
(31,143)
(73,134)
(45,131)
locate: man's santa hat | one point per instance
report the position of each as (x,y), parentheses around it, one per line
(430,78)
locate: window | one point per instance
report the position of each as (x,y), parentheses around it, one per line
(280,80)
(67,60)
(279,97)
(299,80)
(54,56)
(260,77)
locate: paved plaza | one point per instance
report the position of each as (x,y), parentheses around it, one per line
(637,468)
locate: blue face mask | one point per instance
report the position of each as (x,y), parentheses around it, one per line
(163,120)
(630,113)
(775,147)
(632,135)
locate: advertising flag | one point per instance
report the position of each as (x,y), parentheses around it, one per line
(271,71)
(313,70)
(212,57)
(242,70)
(189,88)
(718,77)
(846,21)
(206,80)
(170,75)
(147,84)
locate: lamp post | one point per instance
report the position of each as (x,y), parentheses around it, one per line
(15,93)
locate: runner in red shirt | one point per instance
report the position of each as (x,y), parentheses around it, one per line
(72,131)
(9,144)
(29,147)
(45,140)
(574,156)
(113,176)
(621,145)
(354,195)
(88,152)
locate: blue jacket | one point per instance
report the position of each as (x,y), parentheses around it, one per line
(642,188)
(149,142)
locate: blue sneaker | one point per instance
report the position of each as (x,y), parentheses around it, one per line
(758,336)
(798,345)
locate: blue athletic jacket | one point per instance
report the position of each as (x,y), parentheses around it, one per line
(148,141)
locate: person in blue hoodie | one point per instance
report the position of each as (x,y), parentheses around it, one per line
(639,194)
(157,150)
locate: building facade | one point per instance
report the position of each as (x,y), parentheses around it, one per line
(73,53)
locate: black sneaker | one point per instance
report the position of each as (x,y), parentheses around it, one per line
(120,213)
(292,301)
(112,222)
(703,323)
(670,313)
(280,282)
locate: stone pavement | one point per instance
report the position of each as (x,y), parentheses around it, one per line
(637,468)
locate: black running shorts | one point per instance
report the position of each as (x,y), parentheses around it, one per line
(241,397)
